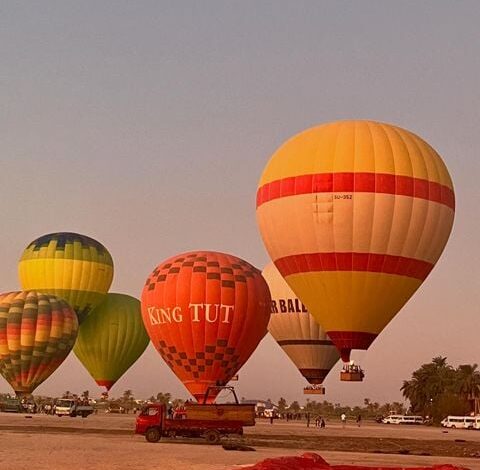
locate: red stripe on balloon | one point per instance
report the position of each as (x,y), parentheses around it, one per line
(108,384)
(364,262)
(382,183)
(345,341)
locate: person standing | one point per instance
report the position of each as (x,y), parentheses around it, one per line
(359,420)
(343,417)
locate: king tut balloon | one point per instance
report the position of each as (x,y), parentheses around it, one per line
(355,214)
(70,266)
(37,332)
(205,313)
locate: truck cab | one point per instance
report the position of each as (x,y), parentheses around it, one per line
(72,407)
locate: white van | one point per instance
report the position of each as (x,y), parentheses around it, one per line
(392,419)
(403,419)
(461,422)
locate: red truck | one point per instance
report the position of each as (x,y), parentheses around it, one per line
(211,421)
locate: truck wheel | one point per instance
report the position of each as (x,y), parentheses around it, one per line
(212,437)
(84,414)
(152,435)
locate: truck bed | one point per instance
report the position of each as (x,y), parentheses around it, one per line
(202,425)
(243,414)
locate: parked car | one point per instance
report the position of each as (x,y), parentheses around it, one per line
(115,408)
(11,405)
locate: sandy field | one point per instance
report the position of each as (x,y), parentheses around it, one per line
(107,442)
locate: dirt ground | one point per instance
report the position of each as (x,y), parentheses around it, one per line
(107,442)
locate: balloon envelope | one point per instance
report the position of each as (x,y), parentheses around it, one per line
(355,214)
(205,313)
(297,332)
(37,332)
(111,338)
(73,267)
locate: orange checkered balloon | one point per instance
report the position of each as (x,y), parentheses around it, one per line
(355,214)
(205,313)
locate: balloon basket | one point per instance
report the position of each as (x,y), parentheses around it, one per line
(351,376)
(320,390)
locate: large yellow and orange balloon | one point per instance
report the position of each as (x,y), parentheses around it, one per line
(68,265)
(355,214)
(297,332)
(111,338)
(205,313)
(37,332)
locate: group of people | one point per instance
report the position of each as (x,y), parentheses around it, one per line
(319,422)
(352,367)
(180,412)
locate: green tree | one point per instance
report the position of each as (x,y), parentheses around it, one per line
(163,398)
(294,407)
(467,384)
(437,389)
(427,384)
(282,405)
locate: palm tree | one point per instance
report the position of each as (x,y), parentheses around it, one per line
(427,384)
(467,384)
(163,398)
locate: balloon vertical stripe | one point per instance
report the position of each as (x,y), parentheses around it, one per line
(37,332)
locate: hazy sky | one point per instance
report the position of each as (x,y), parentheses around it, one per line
(146,125)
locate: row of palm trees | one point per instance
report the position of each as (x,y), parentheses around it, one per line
(437,389)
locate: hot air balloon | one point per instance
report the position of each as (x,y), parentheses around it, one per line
(37,332)
(111,338)
(355,214)
(298,334)
(205,313)
(71,266)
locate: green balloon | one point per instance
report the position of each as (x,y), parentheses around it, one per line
(111,338)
